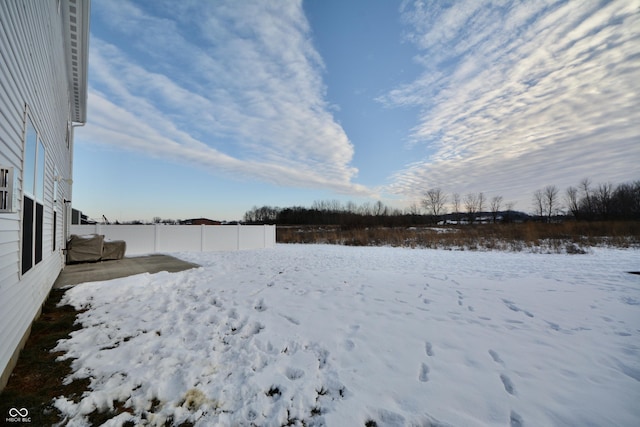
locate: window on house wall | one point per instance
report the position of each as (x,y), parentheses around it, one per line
(33,198)
(55,229)
(40,159)
(6,189)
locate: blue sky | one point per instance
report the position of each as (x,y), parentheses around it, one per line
(207,108)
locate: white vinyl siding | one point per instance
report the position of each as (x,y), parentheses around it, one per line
(36,86)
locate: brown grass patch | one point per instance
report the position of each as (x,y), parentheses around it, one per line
(565,237)
(38,377)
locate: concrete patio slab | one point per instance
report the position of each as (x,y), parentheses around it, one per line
(107,270)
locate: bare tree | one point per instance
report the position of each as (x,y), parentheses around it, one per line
(334,205)
(365,209)
(495,207)
(351,207)
(456,205)
(434,201)
(471,205)
(538,203)
(626,200)
(379,208)
(481,201)
(414,209)
(551,200)
(588,200)
(572,201)
(602,199)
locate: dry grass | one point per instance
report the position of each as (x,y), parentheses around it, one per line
(569,237)
(38,377)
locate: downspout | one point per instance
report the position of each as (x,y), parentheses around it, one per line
(67,203)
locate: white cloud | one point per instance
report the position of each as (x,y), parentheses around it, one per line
(238,90)
(518,95)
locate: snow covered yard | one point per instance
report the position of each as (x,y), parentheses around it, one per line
(354,336)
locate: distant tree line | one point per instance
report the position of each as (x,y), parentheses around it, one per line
(332,212)
(585,202)
(603,201)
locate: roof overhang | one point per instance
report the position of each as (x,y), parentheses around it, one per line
(75,29)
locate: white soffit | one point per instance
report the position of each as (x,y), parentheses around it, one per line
(75,16)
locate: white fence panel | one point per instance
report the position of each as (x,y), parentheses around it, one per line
(178,238)
(221,238)
(251,240)
(143,239)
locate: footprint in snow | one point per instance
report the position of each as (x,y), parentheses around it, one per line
(294,373)
(496,357)
(253,329)
(291,319)
(423,376)
(259,306)
(506,381)
(321,354)
(511,306)
(215,302)
(428,348)
(515,420)
(508,385)
(424,373)
(460,298)
(553,325)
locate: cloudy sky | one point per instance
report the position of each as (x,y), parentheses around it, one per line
(207,108)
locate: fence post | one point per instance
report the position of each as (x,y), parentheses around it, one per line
(272,236)
(202,226)
(156,237)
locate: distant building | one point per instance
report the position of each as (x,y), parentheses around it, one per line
(200,221)
(77,217)
(43,51)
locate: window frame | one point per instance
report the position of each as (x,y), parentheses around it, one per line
(6,190)
(34,169)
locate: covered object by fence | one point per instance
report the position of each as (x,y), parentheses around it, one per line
(144,239)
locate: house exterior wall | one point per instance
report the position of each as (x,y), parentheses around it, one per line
(36,86)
